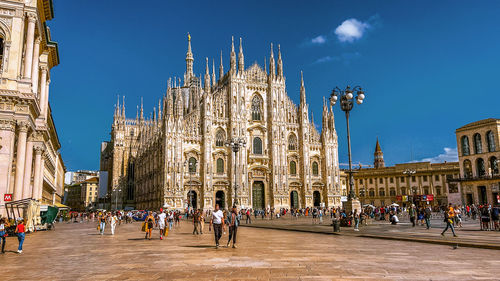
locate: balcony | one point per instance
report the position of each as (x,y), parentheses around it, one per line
(475,178)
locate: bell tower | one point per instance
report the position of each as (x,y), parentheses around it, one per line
(378,157)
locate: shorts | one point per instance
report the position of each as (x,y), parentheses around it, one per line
(161,226)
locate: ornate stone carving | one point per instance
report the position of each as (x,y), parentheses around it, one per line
(39,148)
(23,126)
(31,16)
(9,125)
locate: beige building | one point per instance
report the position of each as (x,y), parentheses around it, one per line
(89,192)
(30,163)
(479,154)
(426,182)
(178,157)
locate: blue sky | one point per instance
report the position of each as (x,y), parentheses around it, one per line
(428,67)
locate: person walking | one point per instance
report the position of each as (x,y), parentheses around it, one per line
(112,222)
(427,217)
(356,220)
(233,220)
(20,229)
(196,222)
(162,217)
(202,221)
(217,222)
(412,212)
(448,218)
(149,223)
(4,224)
(102,223)
(249,217)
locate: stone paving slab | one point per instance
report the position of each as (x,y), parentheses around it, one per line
(468,236)
(74,252)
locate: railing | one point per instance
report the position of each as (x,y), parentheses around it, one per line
(475,178)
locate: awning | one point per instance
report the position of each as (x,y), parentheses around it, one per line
(61,206)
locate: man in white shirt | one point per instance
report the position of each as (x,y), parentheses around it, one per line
(161,223)
(217,221)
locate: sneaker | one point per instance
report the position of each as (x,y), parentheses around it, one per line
(455,235)
(19,251)
(227,245)
(356,229)
(442,234)
(234,246)
(161,238)
(216,246)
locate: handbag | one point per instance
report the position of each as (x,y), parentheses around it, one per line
(143,228)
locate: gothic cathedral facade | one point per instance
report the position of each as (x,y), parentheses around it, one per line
(178,157)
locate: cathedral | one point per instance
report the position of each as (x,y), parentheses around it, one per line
(179,156)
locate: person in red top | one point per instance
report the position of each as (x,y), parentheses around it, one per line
(20,235)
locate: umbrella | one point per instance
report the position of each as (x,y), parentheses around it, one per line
(394,205)
(368,205)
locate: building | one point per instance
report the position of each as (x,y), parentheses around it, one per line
(178,157)
(73,198)
(79,176)
(89,192)
(30,162)
(418,182)
(479,154)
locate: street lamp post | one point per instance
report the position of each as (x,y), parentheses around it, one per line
(116,198)
(346,104)
(235,144)
(410,173)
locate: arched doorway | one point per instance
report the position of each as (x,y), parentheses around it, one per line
(316,198)
(220,199)
(258,202)
(294,200)
(193,199)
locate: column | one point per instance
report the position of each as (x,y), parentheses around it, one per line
(27,170)
(46,101)
(34,70)
(28,58)
(43,87)
(21,158)
(38,177)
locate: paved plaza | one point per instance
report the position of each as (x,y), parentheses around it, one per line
(74,251)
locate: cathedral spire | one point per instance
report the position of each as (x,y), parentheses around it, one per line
(232,62)
(189,61)
(241,59)
(159,110)
(123,107)
(142,110)
(221,67)
(213,72)
(207,78)
(378,156)
(137,114)
(280,64)
(272,71)
(302,89)
(117,106)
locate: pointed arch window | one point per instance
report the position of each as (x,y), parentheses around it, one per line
(1,51)
(292,142)
(293,168)
(220,166)
(256,108)
(192,165)
(219,138)
(490,138)
(257,145)
(478,148)
(465,145)
(315,169)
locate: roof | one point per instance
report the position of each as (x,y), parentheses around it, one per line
(488,121)
(377,147)
(93,179)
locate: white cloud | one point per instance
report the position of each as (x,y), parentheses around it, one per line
(351,30)
(321,39)
(344,57)
(449,155)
